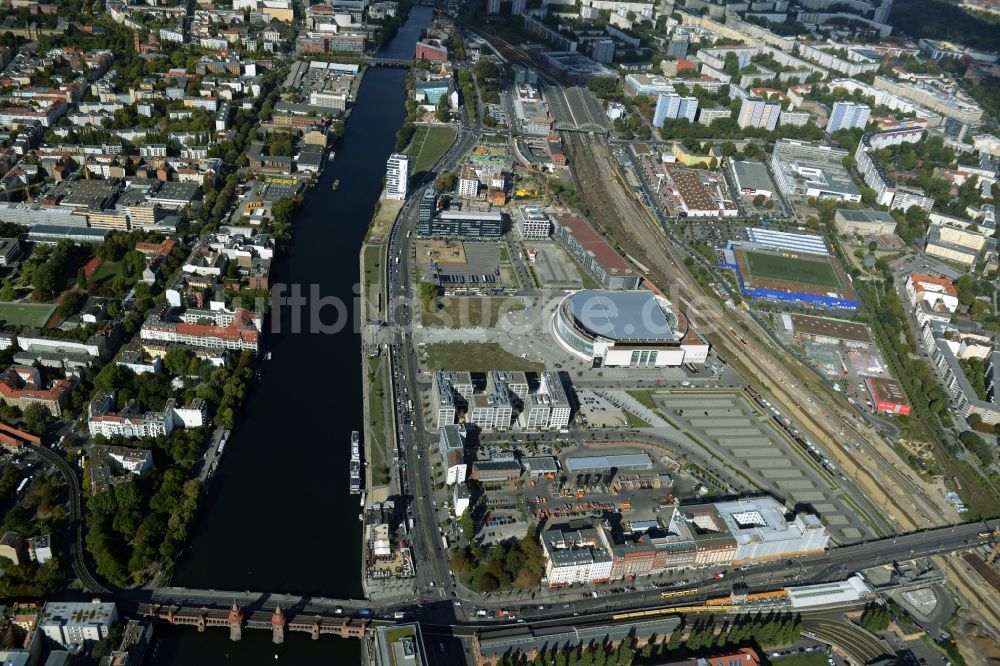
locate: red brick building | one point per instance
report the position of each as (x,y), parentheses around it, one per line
(431,51)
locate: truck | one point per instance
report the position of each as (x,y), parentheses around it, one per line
(398,615)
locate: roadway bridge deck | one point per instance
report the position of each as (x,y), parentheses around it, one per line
(182,596)
(235,619)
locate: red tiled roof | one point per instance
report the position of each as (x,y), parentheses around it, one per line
(919,279)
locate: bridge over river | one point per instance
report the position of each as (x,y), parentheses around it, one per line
(351,618)
(256,610)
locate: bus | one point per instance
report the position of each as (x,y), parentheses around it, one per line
(22,486)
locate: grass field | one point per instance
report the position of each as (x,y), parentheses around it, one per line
(108,270)
(775,267)
(26,314)
(476,357)
(377,427)
(428,145)
(464,312)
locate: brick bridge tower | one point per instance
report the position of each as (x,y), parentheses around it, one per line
(235,623)
(278,626)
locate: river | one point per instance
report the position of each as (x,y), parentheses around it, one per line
(279,516)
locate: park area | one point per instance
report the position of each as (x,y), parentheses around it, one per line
(26,314)
(792,269)
(428,145)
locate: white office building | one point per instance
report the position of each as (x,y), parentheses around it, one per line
(73,623)
(397,175)
(848,115)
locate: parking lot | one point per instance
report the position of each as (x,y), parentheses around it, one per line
(715,234)
(597,412)
(552,266)
(729,424)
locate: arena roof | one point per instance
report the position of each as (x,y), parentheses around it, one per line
(576,110)
(629,316)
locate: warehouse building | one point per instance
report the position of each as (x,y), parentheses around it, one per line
(752,178)
(827,331)
(593,252)
(601,464)
(888,396)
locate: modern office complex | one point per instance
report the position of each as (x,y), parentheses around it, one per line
(630,329)
(802,169)
(533,223)
(397,176)
(463,224)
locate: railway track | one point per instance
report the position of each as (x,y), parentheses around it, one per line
(741,350)
(76,551)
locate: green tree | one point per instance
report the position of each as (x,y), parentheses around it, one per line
(37,418)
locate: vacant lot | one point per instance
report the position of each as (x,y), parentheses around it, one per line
(476,357)
(428,145)
(472,311)
(26,314)
(775,267)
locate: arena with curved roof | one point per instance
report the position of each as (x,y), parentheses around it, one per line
(632,329)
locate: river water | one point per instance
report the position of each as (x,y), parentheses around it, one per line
(279,517)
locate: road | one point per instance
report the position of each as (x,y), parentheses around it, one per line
(835,564)
(414,477)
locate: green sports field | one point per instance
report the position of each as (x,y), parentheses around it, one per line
(26,314)
(804,271)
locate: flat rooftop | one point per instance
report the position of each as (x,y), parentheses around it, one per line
(831,328)
(625,461)
(887,390)
(865,215)
(752,175)
(593,242)
(622,315)
(688,183)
